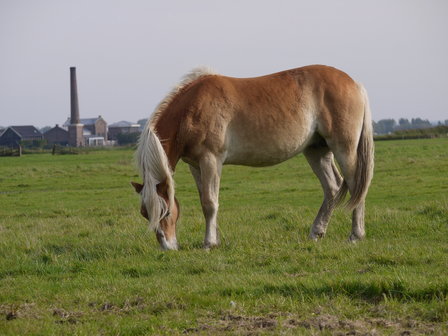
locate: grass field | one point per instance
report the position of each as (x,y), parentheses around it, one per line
(77,258)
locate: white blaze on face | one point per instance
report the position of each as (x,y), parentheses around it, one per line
(166,244)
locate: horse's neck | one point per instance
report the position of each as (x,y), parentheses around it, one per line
(167,138)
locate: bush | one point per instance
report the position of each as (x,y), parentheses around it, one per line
(127,138)
(33,144)
(424,133)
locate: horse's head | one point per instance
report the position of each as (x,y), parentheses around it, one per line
(165,228)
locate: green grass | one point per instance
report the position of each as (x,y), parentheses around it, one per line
(77,258)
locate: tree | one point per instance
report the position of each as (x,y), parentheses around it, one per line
(384,126)
(127,138)
(44,129)
(418,123)
(142,123)
(404,124)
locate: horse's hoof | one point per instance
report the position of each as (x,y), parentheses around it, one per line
(355,238)
(315,236)
(209,246)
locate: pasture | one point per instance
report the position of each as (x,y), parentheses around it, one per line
(76,257)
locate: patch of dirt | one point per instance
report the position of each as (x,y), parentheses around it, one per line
(322,323)
(129,305)
(66,316)
(367,326)
(15,311)
(333,324)
(232,323)
(12,315)
(10,312)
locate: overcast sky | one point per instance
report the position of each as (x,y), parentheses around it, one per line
(130,53)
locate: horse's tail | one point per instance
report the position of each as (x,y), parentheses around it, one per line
(154,168)
(364,161)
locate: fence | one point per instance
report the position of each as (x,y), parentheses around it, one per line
(10,151)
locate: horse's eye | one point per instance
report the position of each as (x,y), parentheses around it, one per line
(167,214)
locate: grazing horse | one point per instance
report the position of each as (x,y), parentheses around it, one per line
(209,120)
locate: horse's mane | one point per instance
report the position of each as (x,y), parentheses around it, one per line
(152,160)
(186,80)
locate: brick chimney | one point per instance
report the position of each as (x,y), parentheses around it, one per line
(75,129)
(74,107)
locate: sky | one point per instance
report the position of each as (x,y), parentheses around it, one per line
(130,53)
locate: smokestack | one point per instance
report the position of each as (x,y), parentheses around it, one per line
(74,107)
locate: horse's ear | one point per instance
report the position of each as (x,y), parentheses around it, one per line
(137,186)
(162,188)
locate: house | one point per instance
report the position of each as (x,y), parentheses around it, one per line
(96,126)
(13,136)
(91,128)
(122,127)
(56,135)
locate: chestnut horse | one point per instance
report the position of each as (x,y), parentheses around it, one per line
(209,120)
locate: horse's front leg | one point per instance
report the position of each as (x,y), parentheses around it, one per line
(210,168)
(196,173)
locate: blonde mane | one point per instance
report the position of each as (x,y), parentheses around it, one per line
(186,80)
(152,160)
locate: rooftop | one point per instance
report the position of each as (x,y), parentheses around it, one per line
(26,131)
(86,121)
(124,123)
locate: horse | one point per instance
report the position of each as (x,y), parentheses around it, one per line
(209,120)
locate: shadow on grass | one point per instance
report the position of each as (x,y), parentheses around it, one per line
(367,291)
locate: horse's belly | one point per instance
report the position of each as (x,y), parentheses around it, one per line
(257,159)
(263,149)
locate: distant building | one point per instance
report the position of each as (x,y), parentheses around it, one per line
(98,126)
(92,127)
(122,127)
(96,141)
(13,136)
(56,135)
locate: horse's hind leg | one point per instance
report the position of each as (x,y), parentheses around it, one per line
(321,161)
(347,161)
(358,229)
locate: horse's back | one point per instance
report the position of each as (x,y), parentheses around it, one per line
(266,120)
